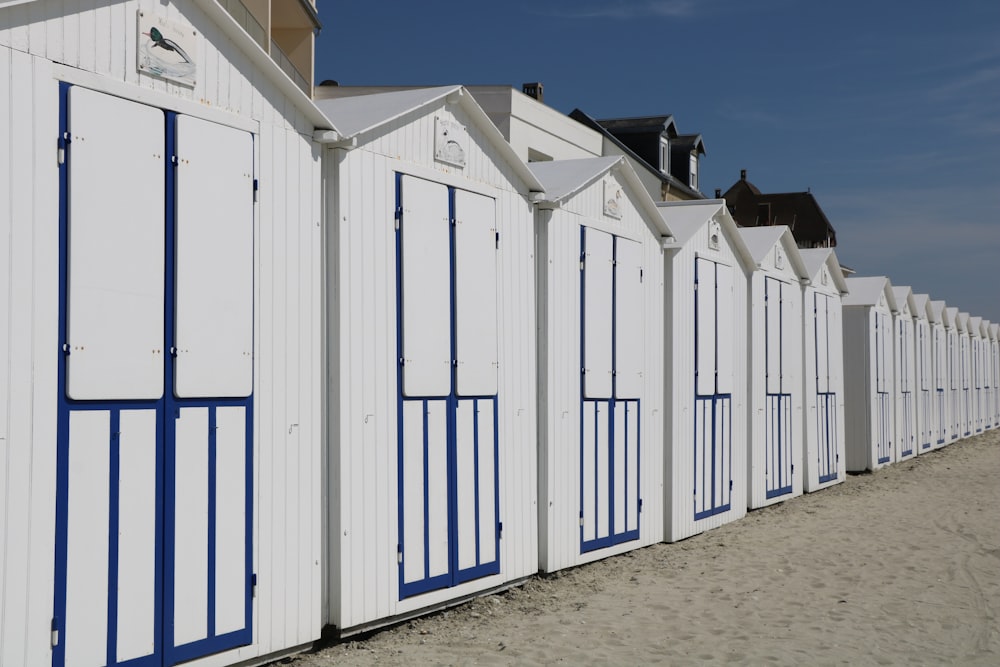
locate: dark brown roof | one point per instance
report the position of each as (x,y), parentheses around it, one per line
(798,210)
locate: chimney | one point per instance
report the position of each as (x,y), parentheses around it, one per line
(536,90)
(718,193)
(743,174)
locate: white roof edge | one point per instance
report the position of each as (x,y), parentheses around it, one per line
(460,95)
(602,165)
(830,260)
(720,212)
(262,60)
(858,298)
(614,164)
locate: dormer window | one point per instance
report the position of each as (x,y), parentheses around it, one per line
(693,173)
(664,155)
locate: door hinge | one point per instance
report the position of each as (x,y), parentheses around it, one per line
(256,190)
(54,637)
(498,240)
(730,485)
(640,504)
(253,585)
(500,529)
(399,554)
(581,518)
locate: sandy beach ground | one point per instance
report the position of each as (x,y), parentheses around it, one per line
(898,567)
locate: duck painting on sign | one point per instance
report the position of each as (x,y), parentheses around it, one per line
(164,48)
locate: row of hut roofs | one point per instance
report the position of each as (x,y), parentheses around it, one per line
(270,366)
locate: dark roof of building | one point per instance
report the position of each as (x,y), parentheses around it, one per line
(689,142)
(674,182)
(798,210)
(641,124)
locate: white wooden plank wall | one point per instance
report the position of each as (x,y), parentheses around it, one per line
(28,324)
(100,37)
(288,392)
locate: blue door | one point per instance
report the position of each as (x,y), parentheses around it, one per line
(153,510)
(447,378)
(714,317)
(611,381)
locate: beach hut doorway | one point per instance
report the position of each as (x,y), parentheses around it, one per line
(153,508)
(826,318)
(612,382)
(781,324)
(714,307)
(447,309)
(883,387)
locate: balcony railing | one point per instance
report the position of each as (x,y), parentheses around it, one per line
(286,65)
(246,20)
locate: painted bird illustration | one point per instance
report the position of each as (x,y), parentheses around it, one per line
(166,44)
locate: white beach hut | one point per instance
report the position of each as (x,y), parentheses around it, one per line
(975,374)
(707,264)
(965,393)
(823,458)
(904,373)
(923,374)
(431,356)
(986,377)
(868,373)
(995,372)
(774,376)
(160,416)
(940,392)
(956,409)
(600,357)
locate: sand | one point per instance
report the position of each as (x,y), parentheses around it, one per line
(898,567)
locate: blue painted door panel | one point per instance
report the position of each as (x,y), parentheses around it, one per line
(448,463)
(153,506)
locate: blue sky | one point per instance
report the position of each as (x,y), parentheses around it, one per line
(889,111)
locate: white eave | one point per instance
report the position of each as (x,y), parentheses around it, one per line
(562,179)
(686,218)
(360,115)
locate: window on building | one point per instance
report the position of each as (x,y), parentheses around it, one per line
(664,155)
(693,174)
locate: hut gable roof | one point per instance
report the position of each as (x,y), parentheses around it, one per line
(816,258)
(868,290)
(762,240)
(951,317)
(904,299)
(935,311)
(562,179)
(360,115)
(922,302)
(687,218)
